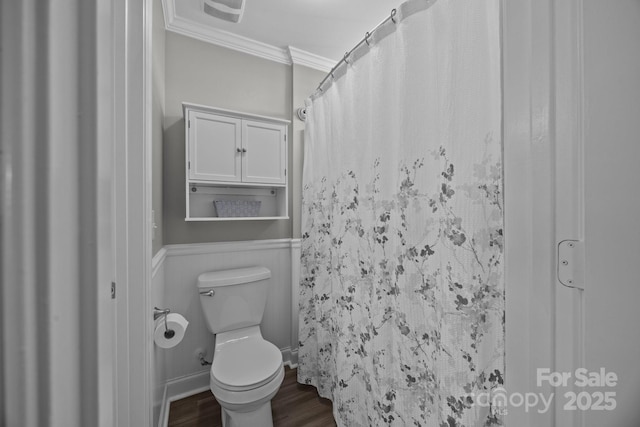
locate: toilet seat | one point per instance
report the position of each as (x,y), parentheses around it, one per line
(245,364)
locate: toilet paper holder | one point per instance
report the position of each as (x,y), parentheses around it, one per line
(159,312)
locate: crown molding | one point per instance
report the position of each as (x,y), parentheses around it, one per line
(225,39)
(196,30)
(311,60)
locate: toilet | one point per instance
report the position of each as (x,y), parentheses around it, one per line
(247,370)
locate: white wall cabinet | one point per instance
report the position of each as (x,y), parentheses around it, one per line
(263,152)
(214,144)
(234,156)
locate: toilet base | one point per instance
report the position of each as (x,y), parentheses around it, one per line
(260,417)
(248,408)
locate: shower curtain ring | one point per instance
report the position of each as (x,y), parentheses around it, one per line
(366,38)
(346,56)
(393,16)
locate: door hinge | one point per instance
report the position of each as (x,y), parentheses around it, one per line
(189,123)
(571,263)
(113,290)
(189,162)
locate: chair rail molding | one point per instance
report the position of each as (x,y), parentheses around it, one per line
(225,247)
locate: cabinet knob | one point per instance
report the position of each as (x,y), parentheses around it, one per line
(239,150)
(244,150)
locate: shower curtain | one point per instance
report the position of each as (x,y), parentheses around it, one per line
(402,294)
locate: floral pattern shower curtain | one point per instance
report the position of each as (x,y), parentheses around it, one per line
(402,292)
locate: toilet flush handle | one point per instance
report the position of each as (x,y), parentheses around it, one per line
(208,293)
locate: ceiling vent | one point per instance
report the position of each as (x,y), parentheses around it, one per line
(227,10)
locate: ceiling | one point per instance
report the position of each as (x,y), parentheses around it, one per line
(320,30)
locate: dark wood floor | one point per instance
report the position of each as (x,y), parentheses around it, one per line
(295,405)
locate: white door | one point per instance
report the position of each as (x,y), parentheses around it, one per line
(214,147)
(56,269)
(264,158)
(598,205)
(612,207)
(572,147)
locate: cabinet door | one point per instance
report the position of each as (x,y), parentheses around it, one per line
(214,147)
(264,158)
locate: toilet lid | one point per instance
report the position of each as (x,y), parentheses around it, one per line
(245,364)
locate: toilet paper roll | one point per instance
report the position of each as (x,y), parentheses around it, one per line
(176,323)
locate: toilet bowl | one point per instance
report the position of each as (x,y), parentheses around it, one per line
(246,373)
(247,370)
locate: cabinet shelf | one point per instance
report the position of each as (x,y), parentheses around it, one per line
(201,201)
(203,184)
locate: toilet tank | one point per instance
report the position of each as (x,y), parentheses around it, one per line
(238,299)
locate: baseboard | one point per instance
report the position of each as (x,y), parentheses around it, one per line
(188,385)
(290,357)
(293,363)
(179,388)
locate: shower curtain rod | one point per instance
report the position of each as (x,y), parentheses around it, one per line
(368,34)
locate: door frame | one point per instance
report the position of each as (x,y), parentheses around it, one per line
(542,113)
(132,214)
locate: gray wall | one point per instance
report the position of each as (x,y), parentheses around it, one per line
(206,74)
(158,95)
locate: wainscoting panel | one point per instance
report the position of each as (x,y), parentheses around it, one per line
(182,266)
(296,247)
(158,362)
